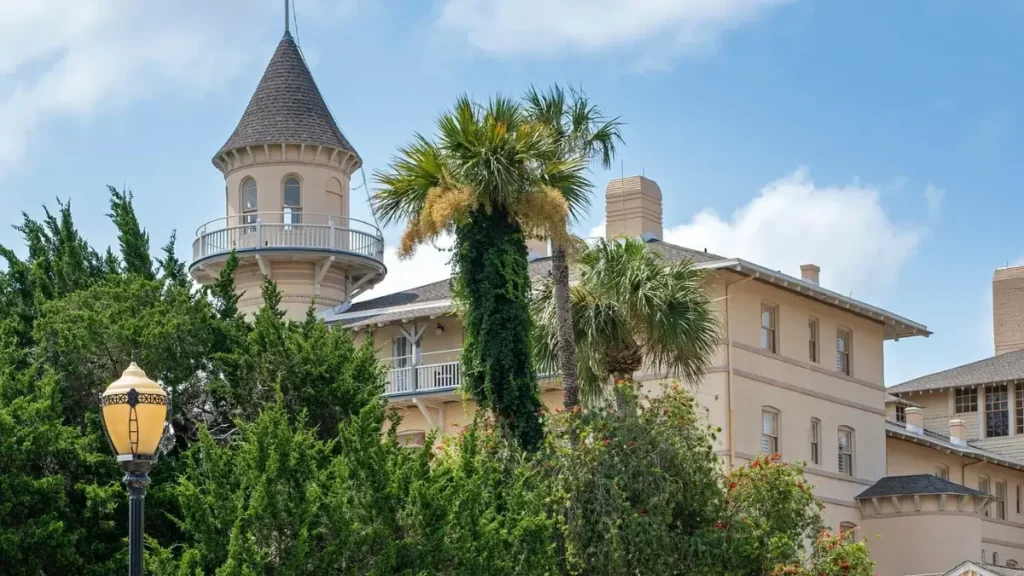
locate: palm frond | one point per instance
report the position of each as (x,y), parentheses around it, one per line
(403,187)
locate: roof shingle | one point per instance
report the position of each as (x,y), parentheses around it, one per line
(1001,368)
(287,107)
(915,484)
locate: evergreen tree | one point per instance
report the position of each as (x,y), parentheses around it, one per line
(172,270)
(133,239)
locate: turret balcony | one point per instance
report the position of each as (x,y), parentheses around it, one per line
(354,246)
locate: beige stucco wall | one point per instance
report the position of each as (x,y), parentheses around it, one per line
(922,543)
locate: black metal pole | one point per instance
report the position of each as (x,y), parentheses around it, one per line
(137,483)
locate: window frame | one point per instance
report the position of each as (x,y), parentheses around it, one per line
(291,214)
(770,334)
(1000,502)
(813,340)
(999,407)
(985,486)
(249,215)
(965,400)
(851,450)
(816,441)
(1018,407)
(772,440)
(942,471)
(847,527)
(844,357)
(901,413)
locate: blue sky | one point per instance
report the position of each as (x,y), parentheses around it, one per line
(880,140)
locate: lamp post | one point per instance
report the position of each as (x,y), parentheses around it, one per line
(134,411)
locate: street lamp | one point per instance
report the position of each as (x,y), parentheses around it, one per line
(134,411)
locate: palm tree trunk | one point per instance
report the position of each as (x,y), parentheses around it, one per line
(563,320)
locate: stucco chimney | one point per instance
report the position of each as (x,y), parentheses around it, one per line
(632,207)
(810,272)
(1008,309)
(915,420)
(957,432)
(536,249)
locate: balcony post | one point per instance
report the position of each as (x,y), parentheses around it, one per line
(259,231)
(330,241)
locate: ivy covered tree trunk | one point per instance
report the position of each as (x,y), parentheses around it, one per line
(563,319)
(492,285)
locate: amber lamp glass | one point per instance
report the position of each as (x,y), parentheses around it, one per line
(134,412)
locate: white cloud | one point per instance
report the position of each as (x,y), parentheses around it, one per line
(64,58)
(428,264)
(549,26)
(793,221)
(933,196)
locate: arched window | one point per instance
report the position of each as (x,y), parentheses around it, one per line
(847,527)
(1011,563)
(846,450)
(292,200)
(769,430)
(995,558)
(249,201)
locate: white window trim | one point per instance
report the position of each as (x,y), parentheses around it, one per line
(852,450)
(774,330)
(765,410)
(815,441)
(849,350)
(814,344)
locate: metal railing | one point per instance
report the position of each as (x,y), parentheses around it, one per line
(427,372)
(257,230)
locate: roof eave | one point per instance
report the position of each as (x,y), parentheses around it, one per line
(896,326)
(909,436)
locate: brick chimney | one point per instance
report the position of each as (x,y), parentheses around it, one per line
(633,208)
(1008,309)
(957,432)
(915,420)
(810,272)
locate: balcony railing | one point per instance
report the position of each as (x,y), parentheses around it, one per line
(427,372)
(298,230)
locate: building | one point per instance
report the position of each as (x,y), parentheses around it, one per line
(934,465)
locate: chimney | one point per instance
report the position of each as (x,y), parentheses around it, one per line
(1008,309)
(915,420)
(957,432)
(809,272)
(632,207)
(536,249)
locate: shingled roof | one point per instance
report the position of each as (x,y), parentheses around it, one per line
(287,107)
(540,267)
(1002,368)
(915,484)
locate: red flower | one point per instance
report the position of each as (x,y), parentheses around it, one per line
(732,485)
(800,485)
(607,441)
(640,511)
(631,443)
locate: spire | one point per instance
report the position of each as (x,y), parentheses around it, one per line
(287,107)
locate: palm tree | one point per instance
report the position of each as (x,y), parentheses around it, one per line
(630,308)
(581,131)
(486,177)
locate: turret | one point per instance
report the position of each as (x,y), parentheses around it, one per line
(286,169)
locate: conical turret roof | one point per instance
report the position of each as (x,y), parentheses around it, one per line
(287,107)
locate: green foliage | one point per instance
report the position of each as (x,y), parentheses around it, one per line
(172,270)
(839,554)
(492,287)
(133,239)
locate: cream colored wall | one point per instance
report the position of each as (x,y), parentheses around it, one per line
(316,178)
(1003,536)
(928,543)
(294,279)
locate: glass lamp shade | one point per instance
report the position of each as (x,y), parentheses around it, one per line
(134,410)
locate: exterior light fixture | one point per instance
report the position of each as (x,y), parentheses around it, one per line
(134,413)
(439,330)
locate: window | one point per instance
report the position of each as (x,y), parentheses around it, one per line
(997,414)
(1011,563)
(843,338)
(769,431)
(966,400)
(1001,500)
(768,328)
(1018,403)
(942,471)
(901,413)
(983,486)
(815,441)
(401,352)
(292,201)
(847,527)
(812,340)
(995,558)
(846,451)
(249,202)
(412,438)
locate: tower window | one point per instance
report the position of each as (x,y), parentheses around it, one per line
(292,201)
(249,202)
